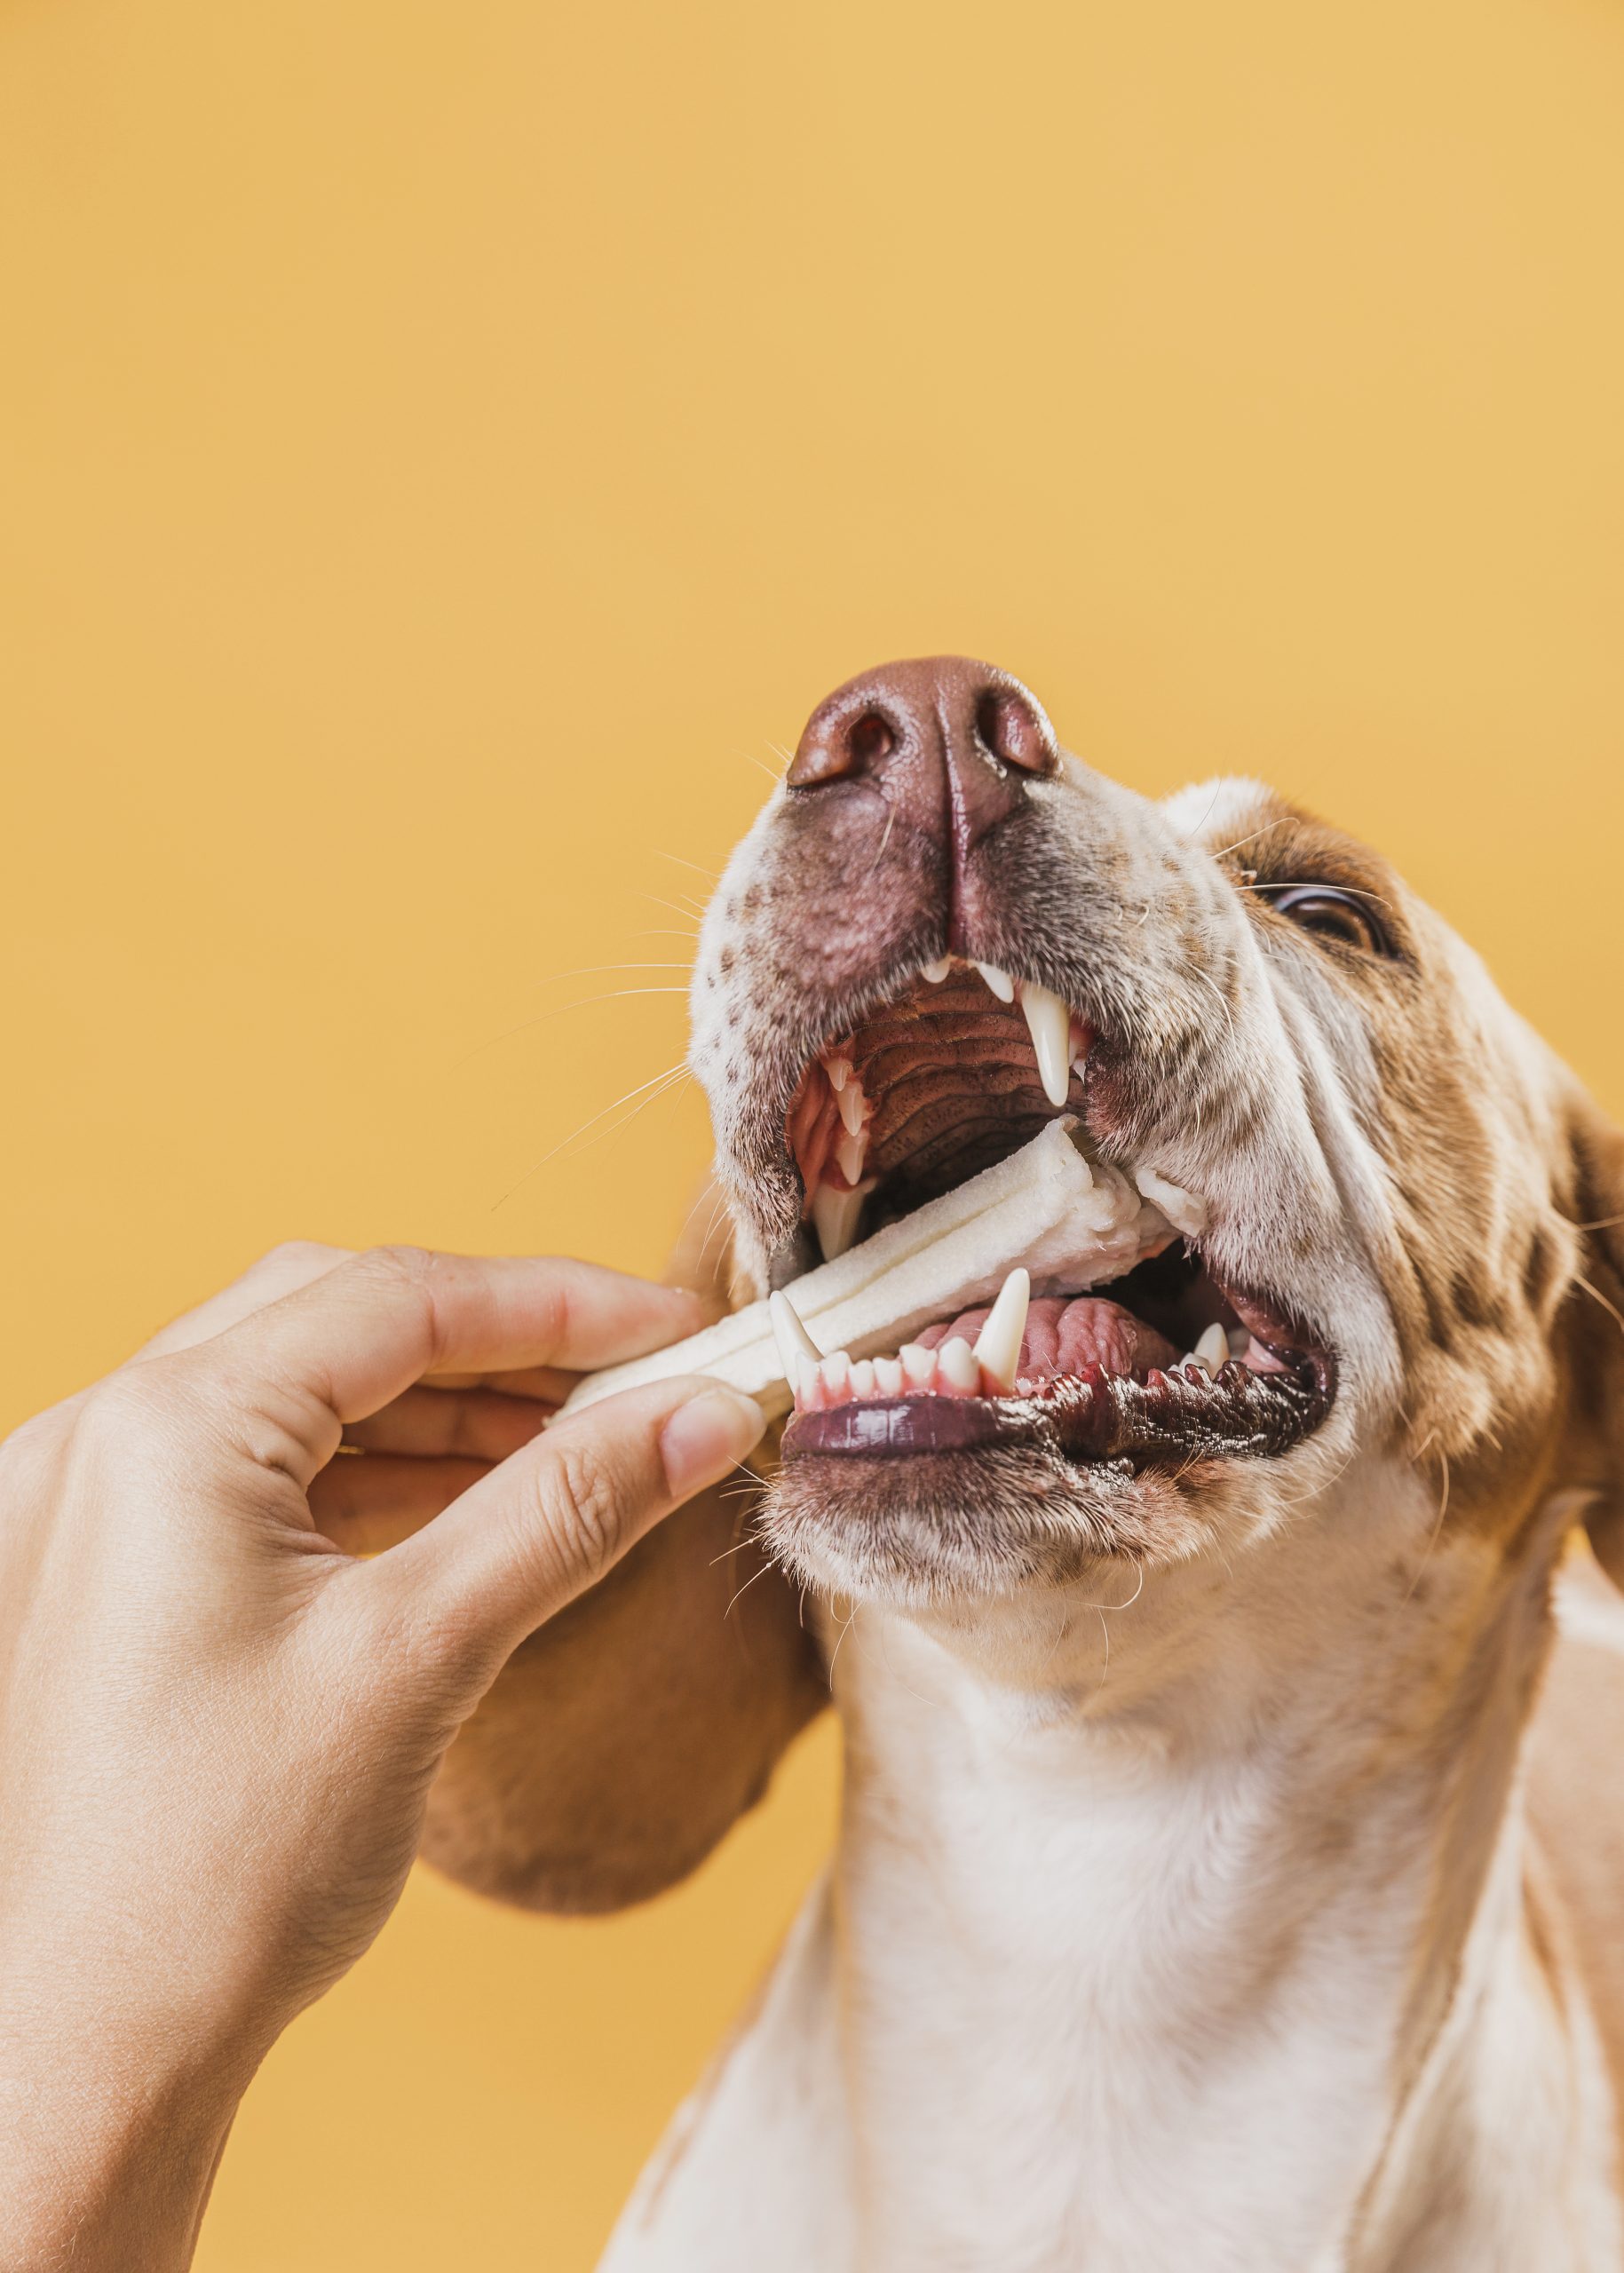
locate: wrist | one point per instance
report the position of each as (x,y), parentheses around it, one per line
(109,2146)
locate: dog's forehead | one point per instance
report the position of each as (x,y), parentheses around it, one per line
(1269,835)
(1211,812)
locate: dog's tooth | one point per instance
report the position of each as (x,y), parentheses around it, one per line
(836,1215)
(997,1348)
(1041,1208)
(850,1146)
(1000,981)
(1213,1349)
(794,1341)
(888,1376)
(808,1383)
(938,970)
(956,1365)
(835,1373)
(918,1364)
(848,1099)
(1240,1341)
(1050,1022)
(839,1071)
(862,1378)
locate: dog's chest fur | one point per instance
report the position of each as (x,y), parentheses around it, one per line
(1231,1973)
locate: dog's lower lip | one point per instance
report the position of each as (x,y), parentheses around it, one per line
(1164,1420)
(891,1428)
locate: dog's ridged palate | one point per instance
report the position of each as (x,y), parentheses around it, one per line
(1045,1209)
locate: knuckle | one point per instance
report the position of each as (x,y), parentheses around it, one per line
(406,1274)
(582,1510)
(130,1407)
(30,1450)
(411,1265)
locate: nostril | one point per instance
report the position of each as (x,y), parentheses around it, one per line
(870,739)
(834,750)
(1016,730)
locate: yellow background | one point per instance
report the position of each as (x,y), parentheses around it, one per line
(442,449)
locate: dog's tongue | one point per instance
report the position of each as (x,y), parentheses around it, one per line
(1063,1337)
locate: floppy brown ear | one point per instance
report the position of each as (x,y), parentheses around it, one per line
(621,1742)
(1594,1319)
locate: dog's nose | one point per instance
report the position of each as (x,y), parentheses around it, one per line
(942,735)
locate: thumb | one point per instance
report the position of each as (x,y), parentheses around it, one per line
(553,1517)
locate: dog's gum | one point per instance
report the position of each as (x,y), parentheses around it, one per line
(1045,1207)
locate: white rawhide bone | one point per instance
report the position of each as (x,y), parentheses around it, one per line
(1073,1223)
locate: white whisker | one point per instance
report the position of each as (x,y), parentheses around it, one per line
(672,1078)
(745,1588)
(1597,1296)
(1224,850)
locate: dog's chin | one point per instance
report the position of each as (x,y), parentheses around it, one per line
(986,1522)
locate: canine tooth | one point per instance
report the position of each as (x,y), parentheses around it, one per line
(1044,1208)
(835,1216)
(1000,981)
(888,1376)
(808,1382)
(837,1372)
(938,970)
(862,1378)
(839,1071)
(849,1098)
(997,1348)
(1240,1341)
(1213,1349)
(850,1147)
(918,1364)
(1050,1022)
(794,1341)
(956,1361)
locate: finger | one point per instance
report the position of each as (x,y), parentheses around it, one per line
(476,1424)
(283,1271)
(367,1504)
(342,1347)
(548,1384)
(548,1522)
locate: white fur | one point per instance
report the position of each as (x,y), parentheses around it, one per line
(1183,1929)
(1128,1975)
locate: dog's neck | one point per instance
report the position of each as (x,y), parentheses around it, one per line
(1178,1932)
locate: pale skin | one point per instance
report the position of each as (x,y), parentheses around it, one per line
(233,1658)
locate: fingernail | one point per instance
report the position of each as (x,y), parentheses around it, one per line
(703,1438)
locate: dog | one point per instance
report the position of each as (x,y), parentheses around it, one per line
(1228,1861)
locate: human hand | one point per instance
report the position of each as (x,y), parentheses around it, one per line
(221,1726)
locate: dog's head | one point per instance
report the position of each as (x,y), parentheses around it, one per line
(1380,1207)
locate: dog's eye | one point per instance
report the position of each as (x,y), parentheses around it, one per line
(1330,914)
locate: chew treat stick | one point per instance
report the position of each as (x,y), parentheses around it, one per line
(1045,1207)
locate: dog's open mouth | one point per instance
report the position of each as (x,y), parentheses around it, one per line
(1135,1352)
